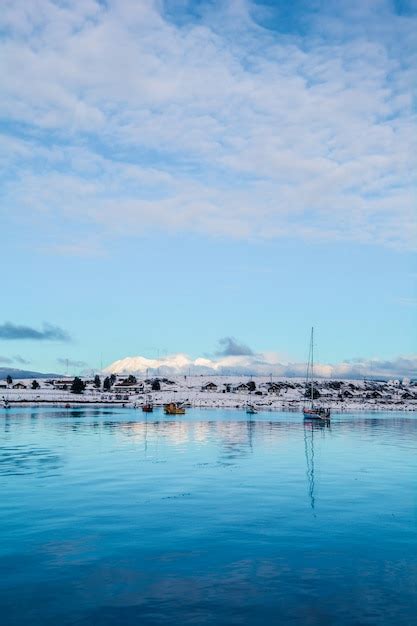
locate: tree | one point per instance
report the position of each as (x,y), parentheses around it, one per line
(78,385)
(132,380)
(316,392)
(35,384)
(97,381)
(156,385)
(9,380)
(113,379)
(107,384)
(251,385)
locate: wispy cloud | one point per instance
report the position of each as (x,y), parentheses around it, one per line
(19,359)
(218,123)
(71,362)
(15,359)
(408,302)
(9,331)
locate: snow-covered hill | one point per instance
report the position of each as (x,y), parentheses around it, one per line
(261,364)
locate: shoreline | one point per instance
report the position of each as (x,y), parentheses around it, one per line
(232,392)
(294,408)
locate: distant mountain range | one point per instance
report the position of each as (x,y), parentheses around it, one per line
(16,373)
(262,364)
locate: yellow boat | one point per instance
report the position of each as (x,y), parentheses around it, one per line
(173,409)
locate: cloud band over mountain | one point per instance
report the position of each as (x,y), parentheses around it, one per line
(263,365)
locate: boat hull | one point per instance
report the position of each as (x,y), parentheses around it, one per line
(173,409)
(316,414)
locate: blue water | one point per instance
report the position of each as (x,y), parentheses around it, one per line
(210,519)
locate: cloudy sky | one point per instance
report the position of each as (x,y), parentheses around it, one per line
(178,172)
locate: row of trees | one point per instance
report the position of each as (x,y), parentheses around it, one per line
(78,385)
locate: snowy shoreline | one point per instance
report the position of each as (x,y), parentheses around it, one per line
(231,392)
(238,404)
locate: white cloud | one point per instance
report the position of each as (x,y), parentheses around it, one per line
(218,125)
(262,364)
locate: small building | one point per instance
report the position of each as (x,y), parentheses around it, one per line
(127,387)
(274,388)
(209,387)
(63,384)
(19,386)
(375,395)
(241,387)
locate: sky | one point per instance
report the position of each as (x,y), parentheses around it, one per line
(192,177)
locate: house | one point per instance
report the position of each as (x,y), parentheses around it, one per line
(375,395)
(241,387)
(19,386)
(128,387)
(274,388)
(209,387)
(63,384)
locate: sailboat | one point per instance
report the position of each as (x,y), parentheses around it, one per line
(313,411)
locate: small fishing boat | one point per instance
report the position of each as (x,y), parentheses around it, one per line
(250,409)
(174,408)
(6,404)
(314,411)
(148,406)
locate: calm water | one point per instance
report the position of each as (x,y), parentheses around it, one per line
(107,518)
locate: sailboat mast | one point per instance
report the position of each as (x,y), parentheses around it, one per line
(312,364)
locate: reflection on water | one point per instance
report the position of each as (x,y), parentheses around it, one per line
(111,516)
(310,427)
(27,459)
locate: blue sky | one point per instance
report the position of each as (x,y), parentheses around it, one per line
(173,173)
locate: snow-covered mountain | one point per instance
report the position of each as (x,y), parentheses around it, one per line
(262,364)
(183,364)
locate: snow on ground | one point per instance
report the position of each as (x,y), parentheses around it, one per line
(264,392)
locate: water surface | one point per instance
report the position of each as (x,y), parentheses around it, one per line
(107,517)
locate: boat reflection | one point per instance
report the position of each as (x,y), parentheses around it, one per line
(311,427)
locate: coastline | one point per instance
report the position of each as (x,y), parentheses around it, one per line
(295,407)
(231,392)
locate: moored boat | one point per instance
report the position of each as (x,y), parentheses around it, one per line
(173,408)
(313,412)
(148,406)
(316,412)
